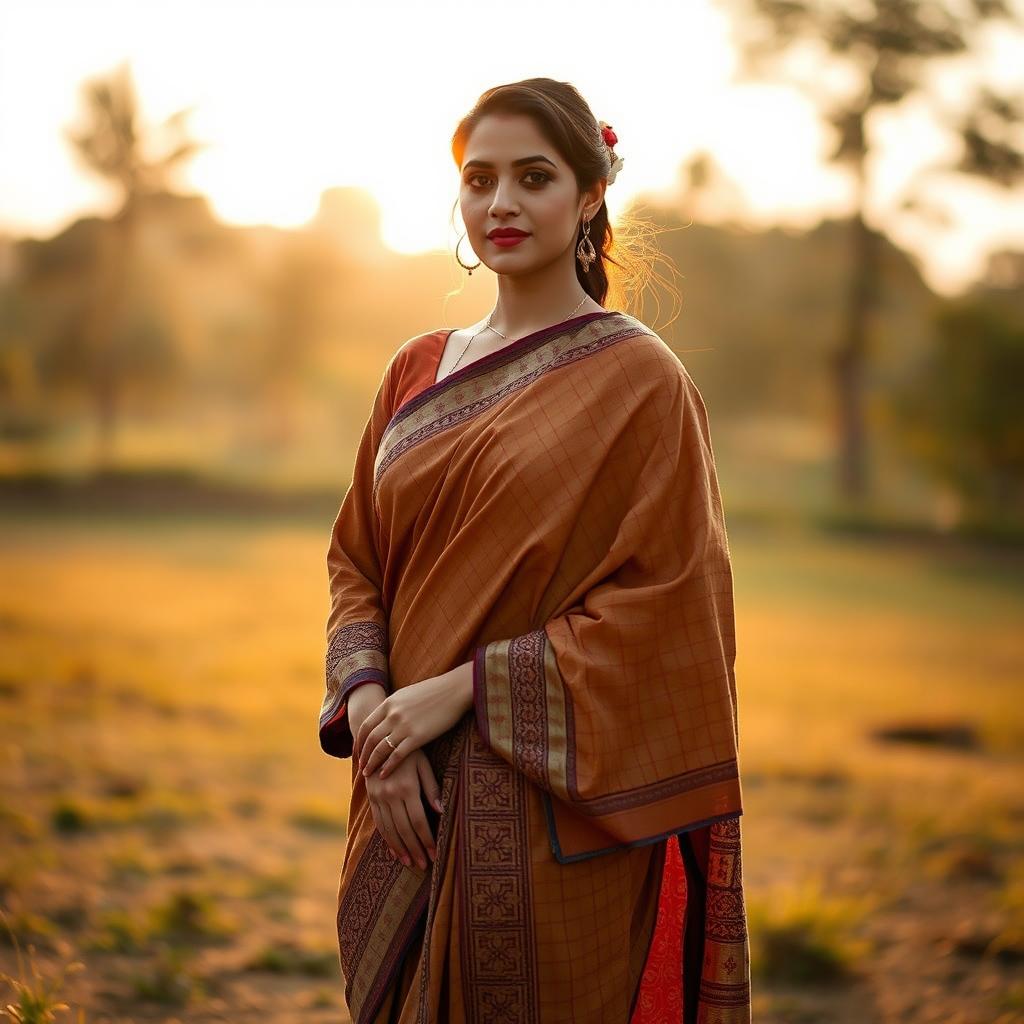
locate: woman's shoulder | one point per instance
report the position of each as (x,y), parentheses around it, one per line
(650,377)
(644,349)
(416,351)
(417,344)
(413,365)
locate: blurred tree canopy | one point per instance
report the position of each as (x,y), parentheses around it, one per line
(962,414)
(257,340)
(854,60)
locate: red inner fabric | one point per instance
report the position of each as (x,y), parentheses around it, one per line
(661,988)
(419,367)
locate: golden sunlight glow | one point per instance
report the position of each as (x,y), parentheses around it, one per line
(294,99)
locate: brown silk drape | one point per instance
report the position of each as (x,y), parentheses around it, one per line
(550,513)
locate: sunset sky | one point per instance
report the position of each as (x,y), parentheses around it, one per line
(293,98)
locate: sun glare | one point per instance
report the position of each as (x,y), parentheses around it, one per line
(293,100)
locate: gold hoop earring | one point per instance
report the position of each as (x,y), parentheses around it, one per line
(587,255)
(460,263)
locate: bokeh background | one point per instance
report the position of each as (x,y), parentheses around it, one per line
(217,224)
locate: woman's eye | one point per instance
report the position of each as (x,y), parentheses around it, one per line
(474,178)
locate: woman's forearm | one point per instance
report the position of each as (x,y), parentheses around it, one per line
(361,701)
(371,695)
(463,687)
(432,705)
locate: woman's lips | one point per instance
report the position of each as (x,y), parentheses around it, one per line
(507,241)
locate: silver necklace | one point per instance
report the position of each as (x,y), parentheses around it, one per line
(497,332)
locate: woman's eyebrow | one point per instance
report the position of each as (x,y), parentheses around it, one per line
(515,163)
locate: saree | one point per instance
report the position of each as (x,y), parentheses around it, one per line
(549,513)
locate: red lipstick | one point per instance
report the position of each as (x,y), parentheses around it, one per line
(506,237)
(506,241)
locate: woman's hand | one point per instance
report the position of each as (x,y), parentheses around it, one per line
(398,808)
(412,716)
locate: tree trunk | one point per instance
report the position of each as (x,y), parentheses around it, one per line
(108,307)
(850,359)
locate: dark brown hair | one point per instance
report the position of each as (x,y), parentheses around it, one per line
(565,119)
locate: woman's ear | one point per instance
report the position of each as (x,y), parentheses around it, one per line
(594,197)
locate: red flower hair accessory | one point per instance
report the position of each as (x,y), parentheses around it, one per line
(610,139)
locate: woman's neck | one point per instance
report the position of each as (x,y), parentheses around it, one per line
(523,307)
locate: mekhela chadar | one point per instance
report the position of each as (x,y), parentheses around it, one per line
(550,513)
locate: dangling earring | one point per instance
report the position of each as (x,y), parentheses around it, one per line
(588,255)
(461,264)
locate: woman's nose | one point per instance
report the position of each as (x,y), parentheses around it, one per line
(503,201)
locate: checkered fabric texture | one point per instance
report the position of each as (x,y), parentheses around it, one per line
(550,513)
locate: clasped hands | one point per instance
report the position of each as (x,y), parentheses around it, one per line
(411,717)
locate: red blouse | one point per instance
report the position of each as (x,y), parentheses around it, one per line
(419,366)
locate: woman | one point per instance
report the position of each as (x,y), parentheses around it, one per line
(530,643)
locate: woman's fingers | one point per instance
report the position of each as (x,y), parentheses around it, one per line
(375,753)
(367,744)
(369,723)
(400,816)
(395,757)
(398,809)
(429,783)
(386,757)
(394,840)
(375,749)
(389,760)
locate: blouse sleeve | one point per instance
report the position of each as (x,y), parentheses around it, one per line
(357,639)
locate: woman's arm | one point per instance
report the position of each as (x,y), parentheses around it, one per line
(362,701)
(412,717)
(357,625)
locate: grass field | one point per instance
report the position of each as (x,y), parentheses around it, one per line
(171,825)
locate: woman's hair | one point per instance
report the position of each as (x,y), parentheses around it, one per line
(565,119)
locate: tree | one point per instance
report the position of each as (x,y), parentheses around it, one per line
(885,51)
(138,161)
(961,416)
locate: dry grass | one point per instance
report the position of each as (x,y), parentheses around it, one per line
(174,825)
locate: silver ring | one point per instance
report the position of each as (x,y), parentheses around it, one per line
(390,744)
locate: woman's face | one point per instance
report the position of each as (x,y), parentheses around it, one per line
(512,177)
